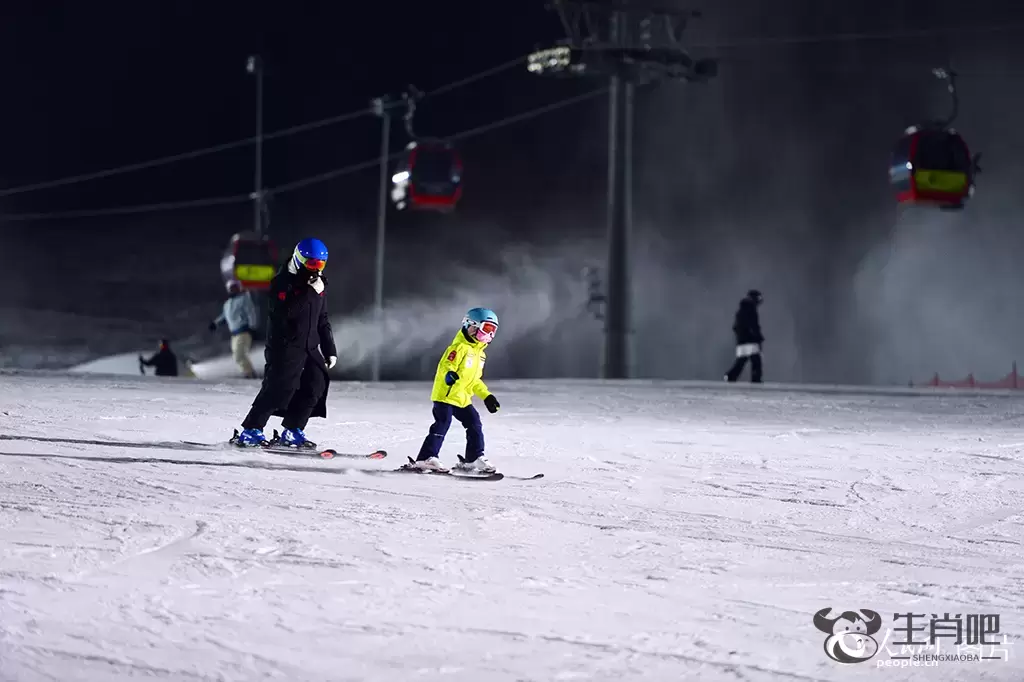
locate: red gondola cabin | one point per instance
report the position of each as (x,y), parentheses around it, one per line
(429,177)
(251,260)
(932,166)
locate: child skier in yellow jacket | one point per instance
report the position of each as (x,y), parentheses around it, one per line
(459,377)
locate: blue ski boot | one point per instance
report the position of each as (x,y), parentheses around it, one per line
(295,438)
(250,438)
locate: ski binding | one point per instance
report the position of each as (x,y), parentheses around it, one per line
(275,446)
(413,469)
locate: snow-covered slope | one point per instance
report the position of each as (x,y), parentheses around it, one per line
(49,339)
(120,364)
(127,364)
(682,532)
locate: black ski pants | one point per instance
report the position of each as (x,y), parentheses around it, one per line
(468,417)
(293,396)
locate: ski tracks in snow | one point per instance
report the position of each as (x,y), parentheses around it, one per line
(677,535)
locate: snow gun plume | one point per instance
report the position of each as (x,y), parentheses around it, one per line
(526,293)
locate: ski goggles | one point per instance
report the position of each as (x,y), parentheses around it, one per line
(316,264)
(485,331)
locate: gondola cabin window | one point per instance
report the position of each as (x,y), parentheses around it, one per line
(931,166)
(429,177)
(251,260)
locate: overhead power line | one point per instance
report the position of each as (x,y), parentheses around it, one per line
(127,210)
(487,73)
(174,158)
(526,115)
(851,37)
(310,180)
(215,149)
(470,132)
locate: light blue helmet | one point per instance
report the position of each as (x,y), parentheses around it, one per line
(484,321)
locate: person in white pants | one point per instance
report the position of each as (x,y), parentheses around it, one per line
(747,328)
(239,314)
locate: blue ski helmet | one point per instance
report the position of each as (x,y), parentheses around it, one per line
(485,322)
(310,254)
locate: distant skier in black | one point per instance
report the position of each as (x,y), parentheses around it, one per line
(164,360)
(747,328)
(299,350)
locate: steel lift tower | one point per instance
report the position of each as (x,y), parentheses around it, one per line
(629,45)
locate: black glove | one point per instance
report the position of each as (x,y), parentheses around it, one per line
(212,326)
(492,404)
(450,378)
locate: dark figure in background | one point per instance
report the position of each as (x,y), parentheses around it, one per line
(299,350)
(747,328)
(164,360)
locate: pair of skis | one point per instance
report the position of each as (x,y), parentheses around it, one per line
(411,468)
(275,446)
(277,449)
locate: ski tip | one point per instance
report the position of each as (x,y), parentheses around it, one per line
(378,454)
(327,454)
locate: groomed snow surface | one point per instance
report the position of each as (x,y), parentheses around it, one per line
(681,532)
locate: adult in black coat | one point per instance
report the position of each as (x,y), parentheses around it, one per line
(300,350)
(164,361)
(747,328)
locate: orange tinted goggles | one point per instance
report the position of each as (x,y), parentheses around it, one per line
(315,264)
(488,327)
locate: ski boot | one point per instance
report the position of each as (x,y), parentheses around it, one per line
(249,438)
(295,438)
(431,464)
(478,465)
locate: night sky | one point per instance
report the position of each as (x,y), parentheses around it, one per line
(771,176)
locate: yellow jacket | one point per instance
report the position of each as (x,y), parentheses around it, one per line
(466,358)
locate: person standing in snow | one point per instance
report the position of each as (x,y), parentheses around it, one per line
(459,377)
(239,314)
(300,351)
(164,360)
(747,327)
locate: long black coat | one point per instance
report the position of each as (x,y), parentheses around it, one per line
(298,323)
(747,326)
